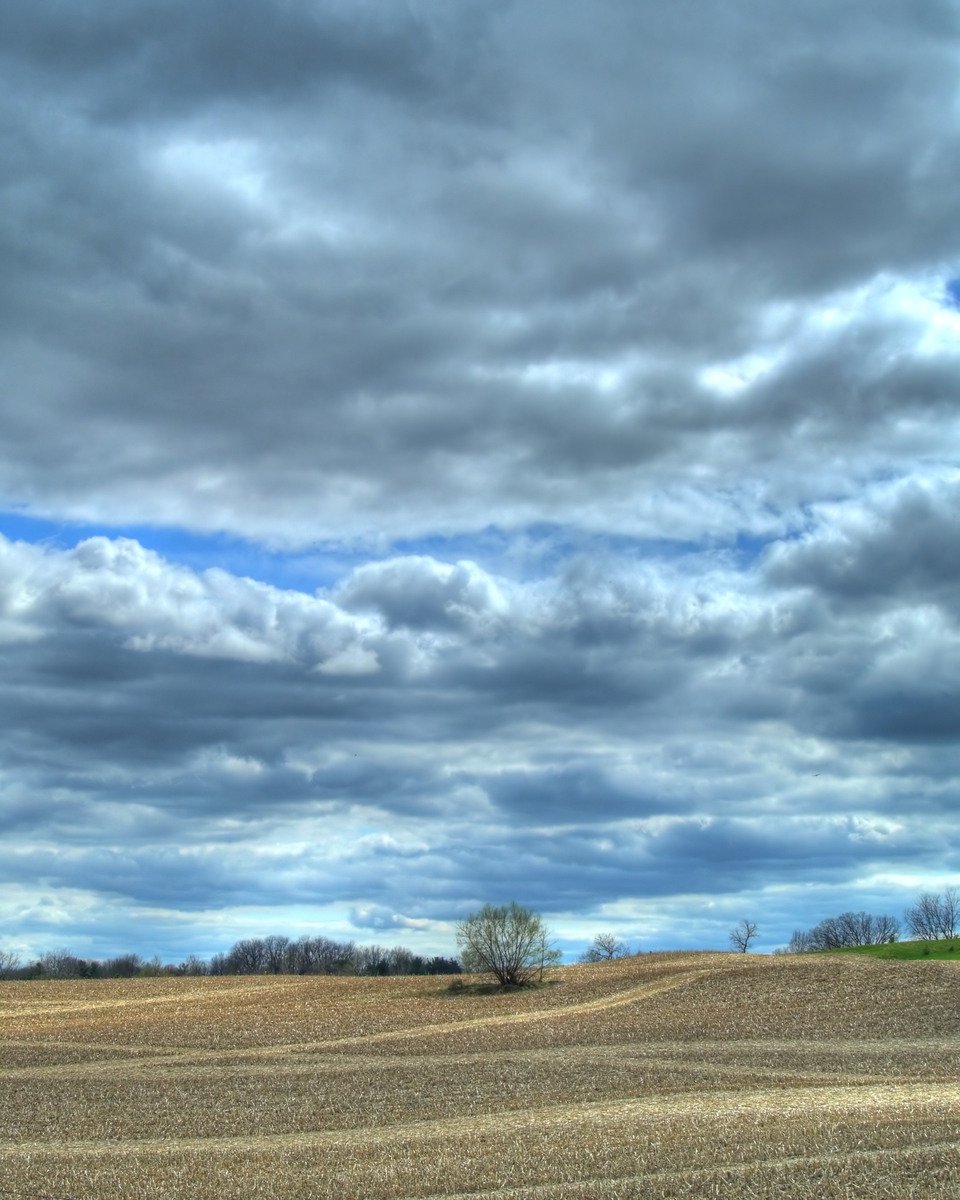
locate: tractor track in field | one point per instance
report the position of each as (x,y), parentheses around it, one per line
(55,1008)
(588,1189)
(931,1099)
(186,1057)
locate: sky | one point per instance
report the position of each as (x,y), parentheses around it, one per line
(457,452)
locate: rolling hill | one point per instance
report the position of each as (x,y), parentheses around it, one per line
(661,1075)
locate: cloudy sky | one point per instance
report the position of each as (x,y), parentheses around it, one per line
(464,451)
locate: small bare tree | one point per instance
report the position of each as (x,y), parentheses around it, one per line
(603,947)
(886,929)
(509,942)
(935,915)
(9,964)
(61,964)
(193,964)
(742,934)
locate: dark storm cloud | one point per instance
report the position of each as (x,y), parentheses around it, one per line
(176,55)
(898,552)
(303,272)
(148,875)
(571,794)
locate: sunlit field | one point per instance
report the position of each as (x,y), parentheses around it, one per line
(673,1075)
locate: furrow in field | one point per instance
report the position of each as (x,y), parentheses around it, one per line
(184,1057)
(930,1099)
(600,1188)
(316,1066)
(72,1007)
(132,1049)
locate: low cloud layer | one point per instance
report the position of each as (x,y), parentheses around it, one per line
(599,362)
(425,735)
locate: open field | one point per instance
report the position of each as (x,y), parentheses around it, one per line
(675,1075)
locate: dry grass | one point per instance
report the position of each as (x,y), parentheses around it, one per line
(658,1076)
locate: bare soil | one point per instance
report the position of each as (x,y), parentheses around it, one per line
(684,1075)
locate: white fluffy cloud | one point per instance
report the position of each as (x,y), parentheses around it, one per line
(156,605)
(599,365)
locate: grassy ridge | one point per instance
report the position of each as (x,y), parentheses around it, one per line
(948,949)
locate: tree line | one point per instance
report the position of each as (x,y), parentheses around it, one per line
(934,917)
(510,942)
(275,954)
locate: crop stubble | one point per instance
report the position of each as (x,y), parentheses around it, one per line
(655,1076)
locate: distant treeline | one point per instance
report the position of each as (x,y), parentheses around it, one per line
(273,955)
(846,929)
(935,916)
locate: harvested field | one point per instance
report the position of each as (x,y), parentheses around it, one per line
(683,1075)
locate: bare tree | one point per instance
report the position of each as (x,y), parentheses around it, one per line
(371,960)
(319,956)
(886,929)
(404,962)
(950,910)
(801,942)
(300,958)
(846,929)
(61,964)
(510,942)
(334,958)
(247,957)
(193,964)
(935,915)
(854,928)
(9,964)
(742,934)
(123,966)
(923,917)
(603,947)
(865,929)
(274,952)
(155,967)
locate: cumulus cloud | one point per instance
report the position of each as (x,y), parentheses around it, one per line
(896,549)
(421,593)
(645,730)
(156,605)
(599,362)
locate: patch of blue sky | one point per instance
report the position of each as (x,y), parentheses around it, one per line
(952,292)
(537,551)
(748,547)
(306,571)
